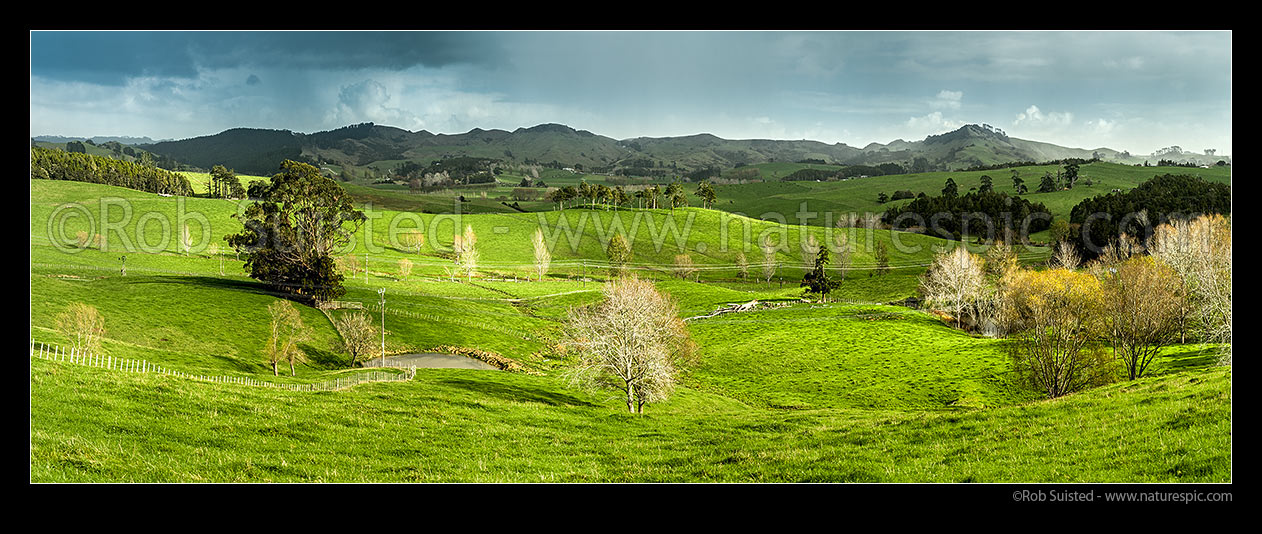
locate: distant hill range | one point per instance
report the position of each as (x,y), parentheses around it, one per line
(257,151)
(100,139)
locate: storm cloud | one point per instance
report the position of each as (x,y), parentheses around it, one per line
(1134,91)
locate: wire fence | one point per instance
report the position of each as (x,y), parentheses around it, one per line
(46,351)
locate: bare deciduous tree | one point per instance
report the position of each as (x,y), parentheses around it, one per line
(405,268)
(871,221)
(1142,302)
(466,249)
(1200,251)
(1118,251)
(186,240)
(742,266)
(412,240)
(841,255)
(287,330)
(768,259)
(808,249)
(83,325)
(359,336)
(633,341)
(1000,259)
(684,266)
(543,258)
(213,249)
(1065,256)
(955,280)
(347,264)
(1057,315)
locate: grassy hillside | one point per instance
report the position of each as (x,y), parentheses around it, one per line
(825,356)
(849,391)
(859,195)
(486,426)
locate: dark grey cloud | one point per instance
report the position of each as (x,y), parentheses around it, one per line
(343,50)
(110,58)
(854,87)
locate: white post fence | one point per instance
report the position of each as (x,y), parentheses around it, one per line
(74,355)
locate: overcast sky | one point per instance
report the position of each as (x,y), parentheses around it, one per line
(1132,90)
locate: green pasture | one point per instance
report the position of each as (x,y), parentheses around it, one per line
(92,425)
(848,391)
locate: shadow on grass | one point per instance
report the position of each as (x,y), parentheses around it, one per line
(237,364)
(248,286)
(323,359)
(514,393)
(1185,359)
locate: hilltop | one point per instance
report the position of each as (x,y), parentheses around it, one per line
(381,148)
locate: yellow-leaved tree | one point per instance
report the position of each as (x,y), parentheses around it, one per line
(1057,316)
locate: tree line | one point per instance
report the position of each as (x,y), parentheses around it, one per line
(464,170)
(974,214)
(1072,327)
(651,196)
(1097,222)
(48,164)
(849,171)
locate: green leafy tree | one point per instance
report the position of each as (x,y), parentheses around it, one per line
(604,194)
(706,193)
(817,280)
(1059,230)
(675,195)
(587,191)
(1071,175)
(987,185)
(950,189)
(620,197)
(224,183)
(563,195)
(1048,184)
(619,252)
(290,235)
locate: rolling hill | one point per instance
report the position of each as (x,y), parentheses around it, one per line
(382,147)
(850,391)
